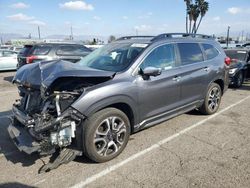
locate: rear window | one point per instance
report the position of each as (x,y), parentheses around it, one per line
(68,50)
(237,54)
(190,53)
(210,51)
(41,50)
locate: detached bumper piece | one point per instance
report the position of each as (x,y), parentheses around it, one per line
(22,139)
(65,156)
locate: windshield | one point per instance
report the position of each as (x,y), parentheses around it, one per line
(114,57)
(239,55)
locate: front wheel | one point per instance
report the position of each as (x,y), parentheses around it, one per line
(212,100)
(105,134)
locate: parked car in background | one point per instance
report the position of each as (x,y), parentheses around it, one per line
(246,45)
(51,51)
(16,48)
(5,47)
(240,65)
(8,60)
(91,107)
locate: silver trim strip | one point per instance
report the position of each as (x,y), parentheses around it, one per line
(165,113)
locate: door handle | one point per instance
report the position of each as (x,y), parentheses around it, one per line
(206,69)
(176,78)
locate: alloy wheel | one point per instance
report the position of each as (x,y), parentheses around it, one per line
(214,99)
(110,136)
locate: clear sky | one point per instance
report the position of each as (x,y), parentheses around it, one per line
(118,17)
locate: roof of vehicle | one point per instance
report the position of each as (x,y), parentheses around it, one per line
(54,43)
(162,37)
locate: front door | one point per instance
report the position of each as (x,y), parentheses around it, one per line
(160,94)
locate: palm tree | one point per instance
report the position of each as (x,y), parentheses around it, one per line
(193,12)
(203,7)
(192,15)
(187,11)
(196,14)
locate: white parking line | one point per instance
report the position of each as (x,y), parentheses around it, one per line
(153,147)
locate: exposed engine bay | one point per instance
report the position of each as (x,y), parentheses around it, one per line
(49,118)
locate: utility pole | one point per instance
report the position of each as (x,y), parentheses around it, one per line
(242,35)
(1,40)
(39,35)
(228,28)
(71,33)
(136,32)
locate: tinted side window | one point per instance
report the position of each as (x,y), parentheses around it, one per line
(210,51)
(162,57)
(41,50)
(190,53)
(72,50)
(25,50)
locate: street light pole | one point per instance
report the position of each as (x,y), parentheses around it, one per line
(228,28)
(71,33)
(39,35)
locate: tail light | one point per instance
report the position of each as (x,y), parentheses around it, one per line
(227,61)
(30,59)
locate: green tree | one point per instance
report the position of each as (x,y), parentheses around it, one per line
(203,8)
(111,38)
(187,11)
(195,11)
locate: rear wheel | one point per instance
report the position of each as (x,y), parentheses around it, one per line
(105,134)
(212,100)
(239,78)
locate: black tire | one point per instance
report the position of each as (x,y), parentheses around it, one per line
(239,78)
(208,108)
(97,125)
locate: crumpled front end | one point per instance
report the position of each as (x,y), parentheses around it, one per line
(44,119)
(43,124)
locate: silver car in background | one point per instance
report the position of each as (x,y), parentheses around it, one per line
(8,60)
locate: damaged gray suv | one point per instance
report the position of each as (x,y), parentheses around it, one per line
(90,108)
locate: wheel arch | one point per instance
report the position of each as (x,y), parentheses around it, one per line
(220,82)
(123,103)
(126,109)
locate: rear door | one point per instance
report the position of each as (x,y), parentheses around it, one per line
(193,72)
(72,53)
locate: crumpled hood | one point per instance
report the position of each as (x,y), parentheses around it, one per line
(45,73)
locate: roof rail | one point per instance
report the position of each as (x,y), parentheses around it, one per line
(133,37)
(176,35)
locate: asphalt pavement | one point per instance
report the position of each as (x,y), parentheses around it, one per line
(191,150)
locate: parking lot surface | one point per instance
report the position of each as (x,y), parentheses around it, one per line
(191,150)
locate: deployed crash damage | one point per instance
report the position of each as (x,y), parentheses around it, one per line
(44,120)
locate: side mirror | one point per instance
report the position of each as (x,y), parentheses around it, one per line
(151,71)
